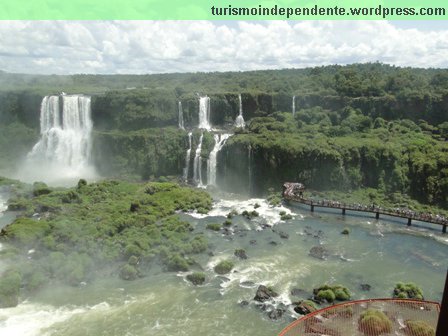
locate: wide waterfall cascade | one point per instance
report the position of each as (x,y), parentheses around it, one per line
(220,140)
(63,150)
(181,116)
(188,157)
(197,163)
(293,106)
(204,113)
(239,122)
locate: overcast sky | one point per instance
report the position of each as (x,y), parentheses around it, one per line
(68,47)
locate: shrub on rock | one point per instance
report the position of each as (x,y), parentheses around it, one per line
(224,267)
(326,295)
(40,188)
(329,294)
(26,231)
(128,272)
(81,183)
(373,322)
(232,213)
(250,214)
(10,288)
(420,328)
(240,253)
(213,227)
(408,291)
(197,278)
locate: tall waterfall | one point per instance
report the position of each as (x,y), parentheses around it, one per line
(249,165)
(293,106)
(181,116)
(187,158)
(239,122)
(204,113)
(63,151)
(220,140)
(197,164)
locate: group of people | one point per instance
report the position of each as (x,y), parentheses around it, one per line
(295,191)
(401,212)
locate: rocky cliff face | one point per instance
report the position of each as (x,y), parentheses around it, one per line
(136,134)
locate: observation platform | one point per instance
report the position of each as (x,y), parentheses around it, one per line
(398,317)
(294,192)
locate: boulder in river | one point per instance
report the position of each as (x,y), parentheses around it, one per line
(264,293)
(240,253)
(299,292)
(283,235)
(305,307)
(319,252)
(365,287)
(276,313)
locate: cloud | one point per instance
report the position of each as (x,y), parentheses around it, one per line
(68,47)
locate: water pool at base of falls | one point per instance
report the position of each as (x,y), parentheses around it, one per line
(378,253)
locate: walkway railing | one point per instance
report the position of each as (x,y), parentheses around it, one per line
(346,319)
(401,213)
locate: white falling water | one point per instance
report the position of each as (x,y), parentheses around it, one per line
(239,122)
(63,151)
(220,140)
(197,164)
(204,113)
(181,116)
(3,206)
(187,158)
(249,165)
(293,106)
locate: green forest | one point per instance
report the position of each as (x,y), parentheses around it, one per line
(364,127)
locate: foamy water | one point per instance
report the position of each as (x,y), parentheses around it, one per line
(266,212)
(379,253)
(30,319)
(3,205)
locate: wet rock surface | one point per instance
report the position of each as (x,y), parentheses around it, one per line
(304,307)
(240,253)
(365,287)
(299,292)
(264,293)
(319,252)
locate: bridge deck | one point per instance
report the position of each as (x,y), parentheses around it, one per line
(374,210)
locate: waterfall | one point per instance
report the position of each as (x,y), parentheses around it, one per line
(197,163)
(181,116)
(187,158)
(220,140)
(204,113)
(63,151)
(293,106)
(239,122)
(249,165)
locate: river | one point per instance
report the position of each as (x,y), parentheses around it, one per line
(378,253)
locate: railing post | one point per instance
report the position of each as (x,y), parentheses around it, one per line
(377,215)
(312,206)
(444,229)
(442,325)
(409,221)
(343,211)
